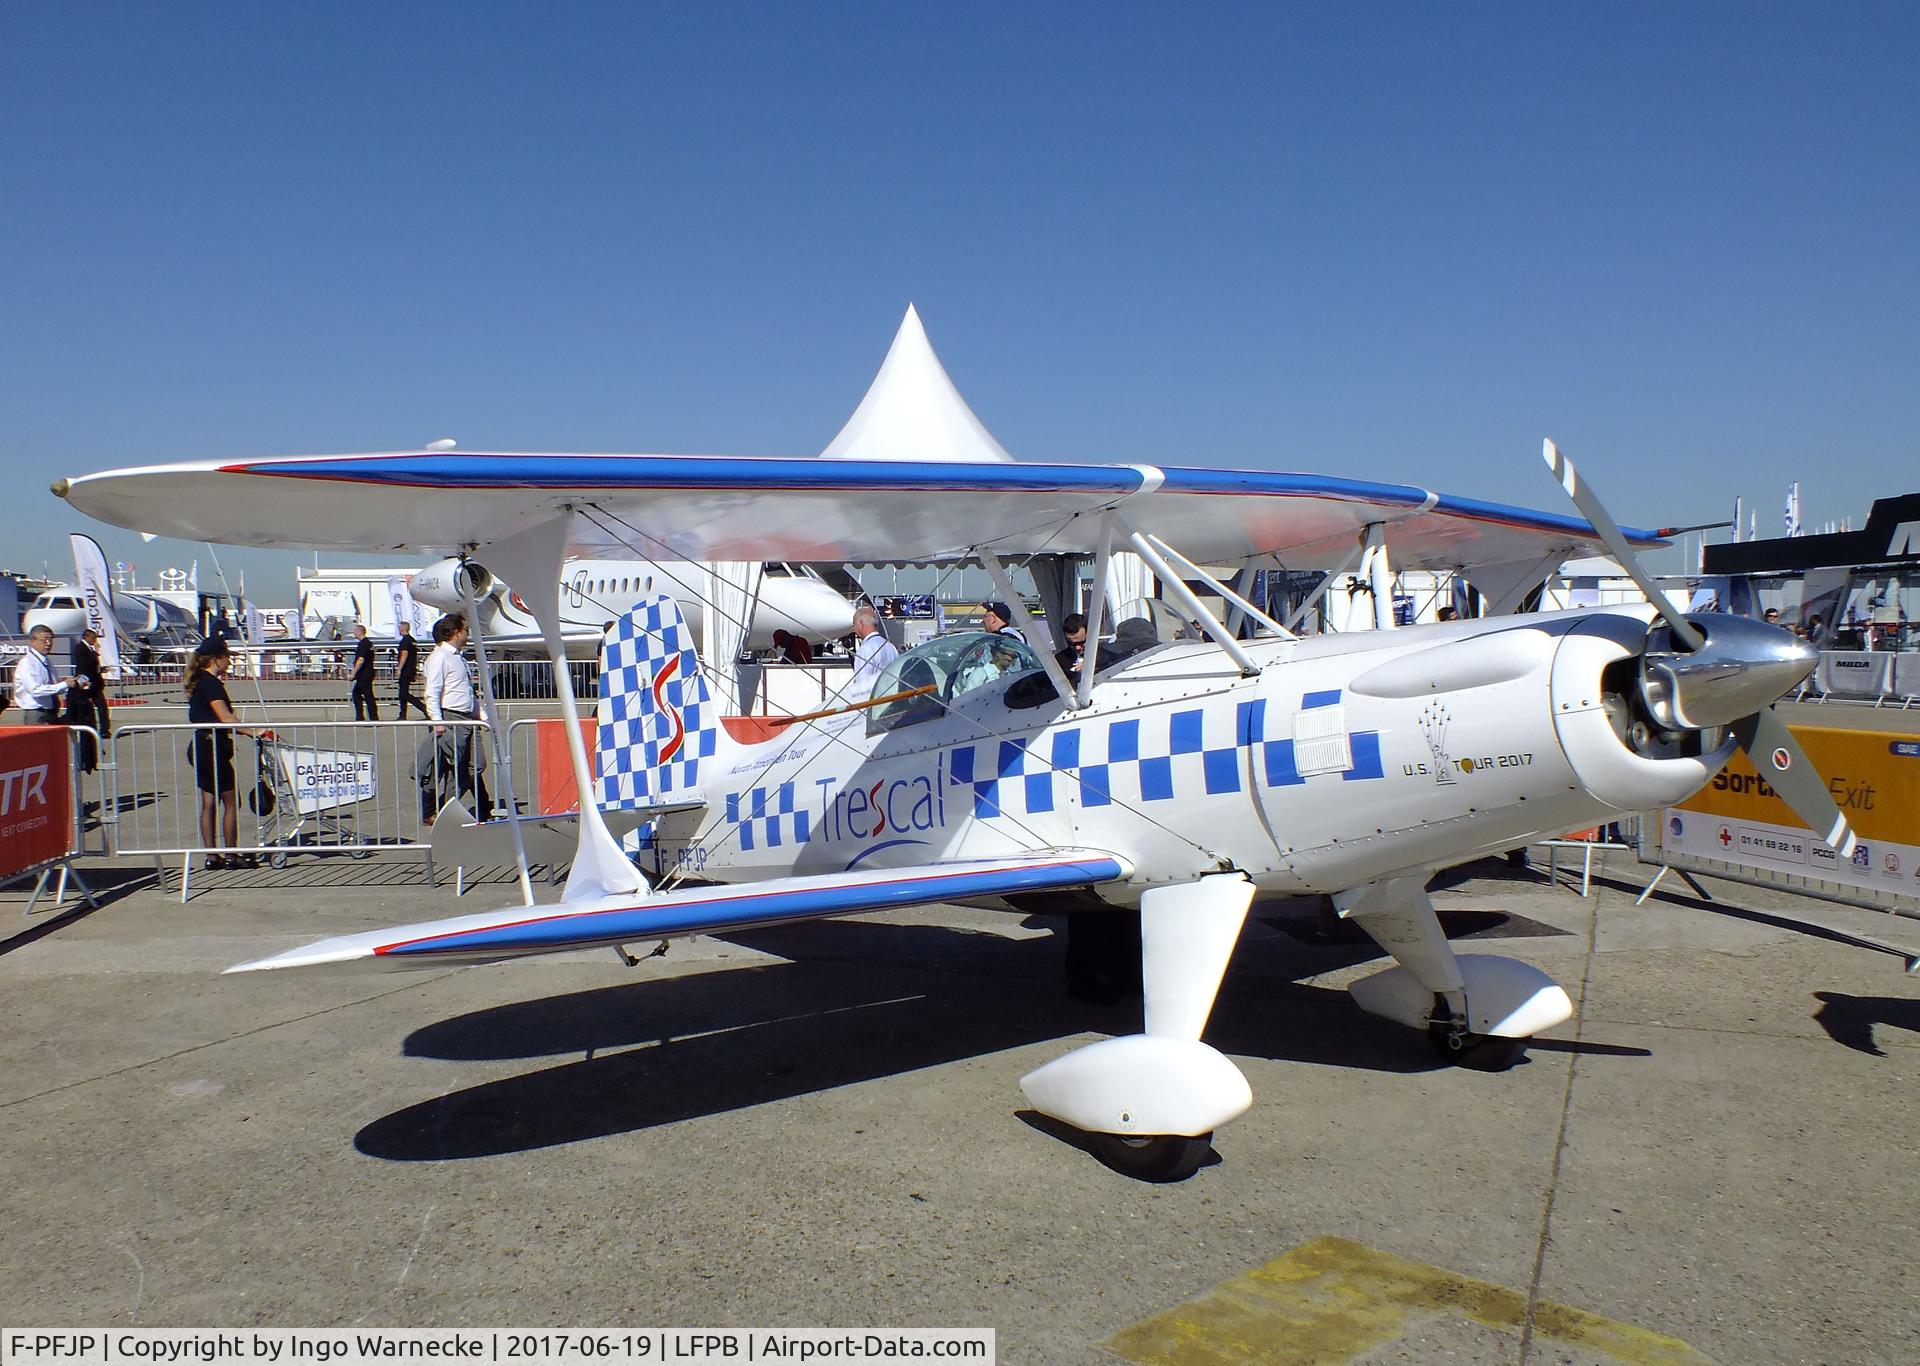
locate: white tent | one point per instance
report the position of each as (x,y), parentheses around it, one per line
(912,411)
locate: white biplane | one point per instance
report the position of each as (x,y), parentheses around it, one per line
(1183,780)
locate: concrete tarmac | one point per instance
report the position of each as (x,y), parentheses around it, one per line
(821,1125)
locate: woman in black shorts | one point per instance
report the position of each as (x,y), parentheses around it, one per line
(212,750)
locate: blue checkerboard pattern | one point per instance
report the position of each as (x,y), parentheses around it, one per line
(1276,756)
(635,730)
(767,820)
(1158,757)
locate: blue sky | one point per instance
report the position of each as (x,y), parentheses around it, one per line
(1397,241)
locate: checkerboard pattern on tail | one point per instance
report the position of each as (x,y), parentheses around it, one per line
(657,720)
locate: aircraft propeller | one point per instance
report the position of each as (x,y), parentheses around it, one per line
(1727,671)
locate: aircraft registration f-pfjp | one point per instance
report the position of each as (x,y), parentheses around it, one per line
(1184,780)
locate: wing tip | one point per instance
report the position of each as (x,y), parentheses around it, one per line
(313,956)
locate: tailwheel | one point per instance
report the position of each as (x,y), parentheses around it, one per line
(1154,1157)
(1479,1052)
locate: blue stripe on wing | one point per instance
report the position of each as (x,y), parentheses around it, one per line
(476,469)
(480,469)
(710,909)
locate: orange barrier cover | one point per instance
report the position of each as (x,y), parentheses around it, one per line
(554,789)
(36,797)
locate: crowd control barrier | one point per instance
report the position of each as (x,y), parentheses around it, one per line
(1886,678)
(40,807)
(1737,827)
(353,788)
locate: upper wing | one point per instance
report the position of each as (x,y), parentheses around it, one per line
(808,510)
(520,930)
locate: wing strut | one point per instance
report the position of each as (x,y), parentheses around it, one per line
(1299,614)
(1380,577)
(1003,584)
(533,557)
(1233,597)
(1176,588)
(492,712)
(1095,611)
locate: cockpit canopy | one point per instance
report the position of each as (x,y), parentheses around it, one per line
(943,669)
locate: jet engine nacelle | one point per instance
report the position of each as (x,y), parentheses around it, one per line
(446,583)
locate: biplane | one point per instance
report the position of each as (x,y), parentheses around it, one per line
(1227,760)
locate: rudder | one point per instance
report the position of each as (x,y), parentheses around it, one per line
(657,721)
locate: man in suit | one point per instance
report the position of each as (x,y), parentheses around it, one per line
(88,706)
(409,665)
(364,707)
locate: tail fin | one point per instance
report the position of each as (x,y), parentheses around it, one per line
(657,720)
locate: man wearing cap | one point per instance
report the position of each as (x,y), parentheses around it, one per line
(999,620)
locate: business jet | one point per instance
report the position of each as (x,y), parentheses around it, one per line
(593,592)
(63,611)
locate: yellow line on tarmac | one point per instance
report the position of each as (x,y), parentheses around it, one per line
(1331,1300)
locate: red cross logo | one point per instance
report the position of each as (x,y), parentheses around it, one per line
(1726,837)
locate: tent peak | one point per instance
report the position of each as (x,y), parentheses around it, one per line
(912,410)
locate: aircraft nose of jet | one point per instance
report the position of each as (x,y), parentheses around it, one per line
(1743,666)
(823,613)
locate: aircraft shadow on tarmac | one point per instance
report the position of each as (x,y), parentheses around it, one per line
(1851,1019)
(859,1000)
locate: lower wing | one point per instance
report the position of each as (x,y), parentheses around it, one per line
(604,921)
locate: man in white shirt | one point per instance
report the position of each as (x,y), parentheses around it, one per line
(457,762)
(35,690)
(449,681)
(872,652)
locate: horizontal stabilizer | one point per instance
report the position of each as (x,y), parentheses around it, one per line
(602,921)
(460,841)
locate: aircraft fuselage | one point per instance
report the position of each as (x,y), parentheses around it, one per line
(1347,759)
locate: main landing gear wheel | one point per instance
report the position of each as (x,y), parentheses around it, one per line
(1156,1157)
(1480,1052)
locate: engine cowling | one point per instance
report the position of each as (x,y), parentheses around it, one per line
(446,583)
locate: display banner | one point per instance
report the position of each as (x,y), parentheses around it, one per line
(1906,674)
(36,798)
(1855,673)
(322,779)
(96,595)
(402,604)
(1874,776)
